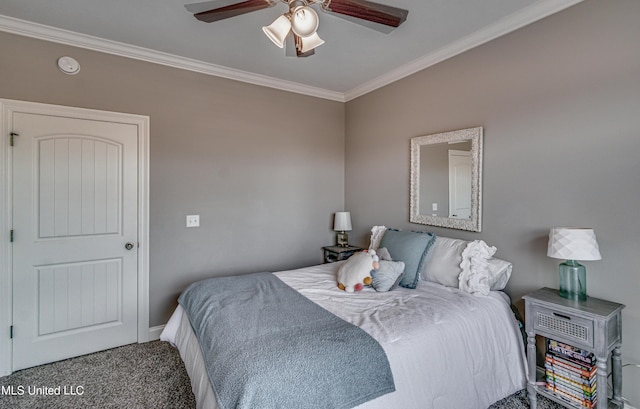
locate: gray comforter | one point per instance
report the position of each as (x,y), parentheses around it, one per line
(267,346)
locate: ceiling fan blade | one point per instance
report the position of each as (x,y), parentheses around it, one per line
(381,28)
(226,8)
(194,8)
(369,11)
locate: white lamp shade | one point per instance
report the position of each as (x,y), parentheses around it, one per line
(304,21)
(311,42)
(342,221)
(573,244)
(278,30)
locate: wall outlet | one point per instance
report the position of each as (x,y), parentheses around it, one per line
(434,207)
(193,220)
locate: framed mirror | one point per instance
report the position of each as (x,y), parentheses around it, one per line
(446,179)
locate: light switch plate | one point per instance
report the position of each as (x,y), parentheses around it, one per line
(193,220)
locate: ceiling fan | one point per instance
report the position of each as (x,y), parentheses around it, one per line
(296,29)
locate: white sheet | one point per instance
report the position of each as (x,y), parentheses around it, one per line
(446,348)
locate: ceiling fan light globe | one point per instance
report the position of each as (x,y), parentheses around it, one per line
(310,42)
(304,21)
(278,30)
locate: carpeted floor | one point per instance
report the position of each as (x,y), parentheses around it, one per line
(147,375)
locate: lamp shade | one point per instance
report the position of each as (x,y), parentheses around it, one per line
(304,21)
(342,221)
(311,42)
(278,30)
(573,244)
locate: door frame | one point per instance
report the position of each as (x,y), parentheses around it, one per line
(7,108)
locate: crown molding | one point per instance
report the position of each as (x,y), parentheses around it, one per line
(57,35)
(506,25)
(537,11)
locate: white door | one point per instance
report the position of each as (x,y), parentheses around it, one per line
(74,210)
(459,184)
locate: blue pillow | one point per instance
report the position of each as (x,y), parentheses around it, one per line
(387,277)
(410,247)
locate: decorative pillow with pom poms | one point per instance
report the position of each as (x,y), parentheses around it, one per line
(355,273)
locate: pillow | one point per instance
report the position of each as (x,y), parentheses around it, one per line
(387,276)
(500,273)
(355,273)
(481,272)
(376,235)
(442,265)
(383,254)
(411,248)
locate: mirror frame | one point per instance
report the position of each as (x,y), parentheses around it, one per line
(475,222)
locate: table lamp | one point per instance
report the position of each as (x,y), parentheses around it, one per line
(342,224)
(573,244)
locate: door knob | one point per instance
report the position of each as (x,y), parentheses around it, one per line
(129,246)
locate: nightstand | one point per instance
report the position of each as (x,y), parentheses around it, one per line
(337,253)
(593,325)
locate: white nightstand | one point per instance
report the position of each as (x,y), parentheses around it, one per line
(594,325)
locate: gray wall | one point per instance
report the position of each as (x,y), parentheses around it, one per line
(263,168)
(559,101)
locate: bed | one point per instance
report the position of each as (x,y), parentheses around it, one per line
(446,348)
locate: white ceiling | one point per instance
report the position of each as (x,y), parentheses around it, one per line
(353,61)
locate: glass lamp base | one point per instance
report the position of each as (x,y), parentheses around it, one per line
(343,239)
(573,280)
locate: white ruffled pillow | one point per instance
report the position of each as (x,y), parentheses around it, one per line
(376,236)
(481,272)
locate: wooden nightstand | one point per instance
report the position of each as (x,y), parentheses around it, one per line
(337,253)
(593,325)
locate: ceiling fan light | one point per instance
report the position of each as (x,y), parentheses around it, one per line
(304,21)
(310,42)
(278,30)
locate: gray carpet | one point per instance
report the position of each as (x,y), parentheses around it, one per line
(147,375)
